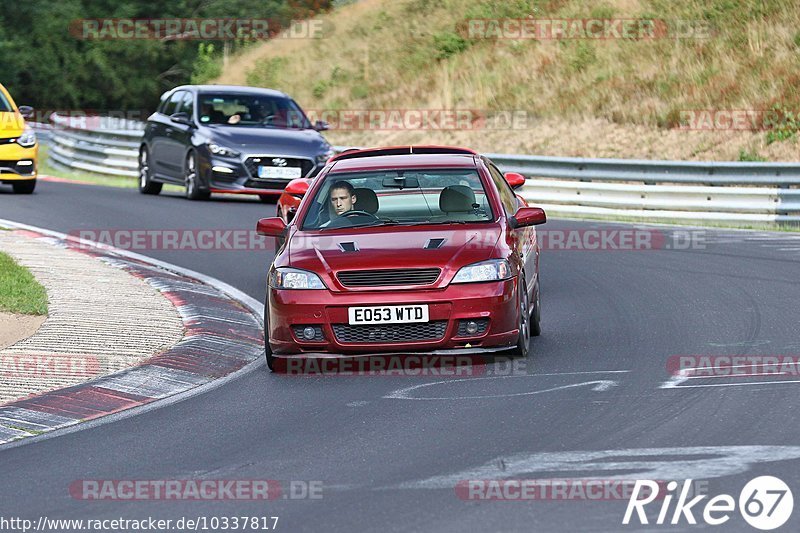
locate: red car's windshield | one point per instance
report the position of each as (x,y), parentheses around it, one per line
(405,197)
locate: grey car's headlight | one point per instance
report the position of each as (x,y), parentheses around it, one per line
(327,154)
(27,139)
(492,270)
(224,151)
(294,278)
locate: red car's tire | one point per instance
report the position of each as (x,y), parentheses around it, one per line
(524,337)
(270,359)
(536,312)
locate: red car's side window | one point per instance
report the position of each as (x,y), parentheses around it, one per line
(507,196)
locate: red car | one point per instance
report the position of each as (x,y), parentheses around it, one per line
(423,250)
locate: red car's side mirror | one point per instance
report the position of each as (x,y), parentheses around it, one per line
(271,227)
(528,216)
(298,187)
(515,179)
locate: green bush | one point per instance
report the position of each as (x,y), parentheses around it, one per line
(267,73)
(448,44)
(747,155)
(782,124)
(359,92)
(582,56)
(206,66)
(319,89)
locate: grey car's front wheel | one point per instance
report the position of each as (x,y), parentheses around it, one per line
(146,183)
(191,181)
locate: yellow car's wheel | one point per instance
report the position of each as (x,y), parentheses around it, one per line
(24,187)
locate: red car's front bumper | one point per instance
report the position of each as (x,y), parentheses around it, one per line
(495,302)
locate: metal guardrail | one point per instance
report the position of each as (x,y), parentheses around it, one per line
(650,190)
(43,131)
(102,145)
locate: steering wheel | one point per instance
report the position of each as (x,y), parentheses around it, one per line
(356,213)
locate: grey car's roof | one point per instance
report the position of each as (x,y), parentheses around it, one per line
(233,89)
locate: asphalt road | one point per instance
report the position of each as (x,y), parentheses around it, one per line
(590,403)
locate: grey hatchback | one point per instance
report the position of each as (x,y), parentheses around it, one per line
(229,139)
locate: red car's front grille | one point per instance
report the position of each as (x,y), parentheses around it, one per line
(384,278)
(390,333)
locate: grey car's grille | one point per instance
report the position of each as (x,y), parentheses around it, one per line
(384,278)
(389,333)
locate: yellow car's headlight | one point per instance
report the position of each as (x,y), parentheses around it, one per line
(27,139)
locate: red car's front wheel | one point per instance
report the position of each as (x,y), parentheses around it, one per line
(524,313)
(536,312)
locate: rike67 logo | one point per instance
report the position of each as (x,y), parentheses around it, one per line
(765,503)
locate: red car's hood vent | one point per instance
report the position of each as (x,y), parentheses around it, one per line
(433,244)
(348,246)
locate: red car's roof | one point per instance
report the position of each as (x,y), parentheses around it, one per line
(405,161)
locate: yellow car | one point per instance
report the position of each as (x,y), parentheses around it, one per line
(18,146)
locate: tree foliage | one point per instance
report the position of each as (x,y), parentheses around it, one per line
(44,65)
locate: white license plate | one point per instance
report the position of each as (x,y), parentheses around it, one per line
(286,173)
(388,314)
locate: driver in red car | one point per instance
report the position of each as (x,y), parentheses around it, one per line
(343,197)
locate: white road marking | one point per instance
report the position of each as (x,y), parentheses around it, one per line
(686,374)
(781,382)
(696,462)
(404,393)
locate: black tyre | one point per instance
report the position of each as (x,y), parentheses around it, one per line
(24,187)
(146,184)
(524,339)
(191,180)
(267,350)
(536,312)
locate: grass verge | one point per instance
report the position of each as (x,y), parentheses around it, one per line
(20,293)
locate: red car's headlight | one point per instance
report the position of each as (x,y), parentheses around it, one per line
(294,278)
(492,270)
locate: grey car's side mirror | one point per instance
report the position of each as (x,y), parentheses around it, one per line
(181,118)
(26,111)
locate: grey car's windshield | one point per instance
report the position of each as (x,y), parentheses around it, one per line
(250,110)
(401,197)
